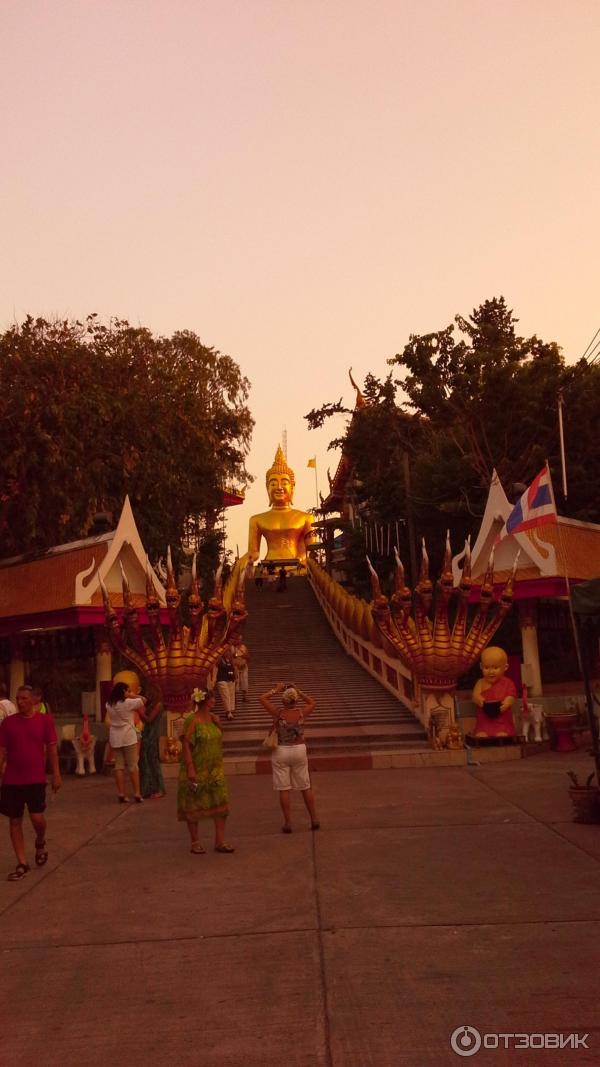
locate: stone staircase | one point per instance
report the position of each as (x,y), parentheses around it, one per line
(290,640)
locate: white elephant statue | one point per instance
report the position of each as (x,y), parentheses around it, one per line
(536,717)
(85,748)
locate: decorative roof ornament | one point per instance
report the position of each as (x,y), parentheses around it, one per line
(280,467)
(437,652)
(360,400)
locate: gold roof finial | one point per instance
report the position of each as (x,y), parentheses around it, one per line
(280,467)
(171,583)
(360,400)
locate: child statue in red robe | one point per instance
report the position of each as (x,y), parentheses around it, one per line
(494,696)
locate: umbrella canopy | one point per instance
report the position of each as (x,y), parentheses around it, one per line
(585,597)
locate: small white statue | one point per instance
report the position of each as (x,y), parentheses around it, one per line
(536,719)
(85,747)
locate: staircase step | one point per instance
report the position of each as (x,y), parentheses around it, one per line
(290,640)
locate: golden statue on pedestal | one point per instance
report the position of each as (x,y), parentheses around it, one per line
(287,531)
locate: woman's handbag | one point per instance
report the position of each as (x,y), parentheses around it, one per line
(271,740)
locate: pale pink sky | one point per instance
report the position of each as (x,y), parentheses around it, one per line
(304,184)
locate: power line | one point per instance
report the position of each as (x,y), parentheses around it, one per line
(590,343)
(594,357)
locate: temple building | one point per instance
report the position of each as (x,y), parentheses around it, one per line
(341,499)
(552,557)
(51,605)
(52,621)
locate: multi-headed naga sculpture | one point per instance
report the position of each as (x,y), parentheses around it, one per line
(436,653)
(180,662)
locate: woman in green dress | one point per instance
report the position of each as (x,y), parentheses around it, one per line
(202,791)
(152,783)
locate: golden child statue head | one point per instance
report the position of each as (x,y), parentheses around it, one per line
(494,663)
(280,481)
(131,679)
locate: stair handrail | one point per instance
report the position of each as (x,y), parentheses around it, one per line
(352,624)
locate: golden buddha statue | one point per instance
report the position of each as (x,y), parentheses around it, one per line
(287,531)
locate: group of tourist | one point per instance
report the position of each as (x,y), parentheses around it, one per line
(8,708)
(275,578)
(28,744)
(202,791)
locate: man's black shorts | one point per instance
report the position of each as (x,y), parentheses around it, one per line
(13,799)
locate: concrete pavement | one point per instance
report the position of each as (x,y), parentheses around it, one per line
(430,899)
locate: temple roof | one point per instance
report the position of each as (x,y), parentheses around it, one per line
(47,583)
(339,482)
(565,549)
(68,576)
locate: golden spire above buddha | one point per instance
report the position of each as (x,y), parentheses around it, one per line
(287,531)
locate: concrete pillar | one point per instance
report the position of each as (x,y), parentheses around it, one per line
(103,667)
(17,675)
(531,654)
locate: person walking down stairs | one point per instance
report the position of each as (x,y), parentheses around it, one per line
(226,682)
(240,665)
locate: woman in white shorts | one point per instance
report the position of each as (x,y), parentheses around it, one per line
(289,759)
(122,737)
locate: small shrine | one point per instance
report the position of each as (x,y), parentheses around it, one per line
(52,607)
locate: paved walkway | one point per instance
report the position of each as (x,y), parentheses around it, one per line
(429,899)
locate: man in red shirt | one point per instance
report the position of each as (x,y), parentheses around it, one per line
(26,739)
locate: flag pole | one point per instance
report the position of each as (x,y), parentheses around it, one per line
(589,699)
(567,579)
(563,461)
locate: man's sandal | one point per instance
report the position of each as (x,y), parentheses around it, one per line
(41,855)
(19,872)
(224,848)
(198,849)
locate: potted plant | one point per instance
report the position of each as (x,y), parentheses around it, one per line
(585,799)
(561,728)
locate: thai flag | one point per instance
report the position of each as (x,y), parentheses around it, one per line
(535,508)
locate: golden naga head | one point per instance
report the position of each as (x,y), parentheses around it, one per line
(436,651)
(180,660)
(280,481)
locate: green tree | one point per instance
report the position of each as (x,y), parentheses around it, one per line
(473,397)
(487,399)
(92,412)
(378,438)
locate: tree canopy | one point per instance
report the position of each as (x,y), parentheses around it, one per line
(92,412)
(468,399)
(488,399)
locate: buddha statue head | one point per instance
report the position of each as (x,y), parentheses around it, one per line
(280,482)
